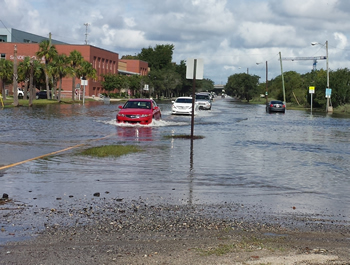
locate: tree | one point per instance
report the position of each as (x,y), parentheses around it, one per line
(158,58)
(243,86)
(86,71)
(6,73)
(112,82)
(24,69)
(47,52)
(75,59)
(60,69)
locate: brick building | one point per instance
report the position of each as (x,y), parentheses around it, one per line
(103,61)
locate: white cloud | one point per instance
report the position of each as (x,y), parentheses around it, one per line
(229,35)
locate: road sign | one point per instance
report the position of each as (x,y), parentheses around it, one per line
(190,66)
(328,92)
(311,90)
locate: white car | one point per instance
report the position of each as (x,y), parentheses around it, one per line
(183,106)
(20,92)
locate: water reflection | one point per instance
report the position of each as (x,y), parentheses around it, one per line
(135,133)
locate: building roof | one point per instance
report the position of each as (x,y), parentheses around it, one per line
(19,36)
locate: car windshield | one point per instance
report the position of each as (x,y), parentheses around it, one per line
(137,105)
(202,97)
(277,102)
(184,100)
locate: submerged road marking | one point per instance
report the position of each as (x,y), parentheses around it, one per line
(52,153)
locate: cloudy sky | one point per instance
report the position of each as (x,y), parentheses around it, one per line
(231,36)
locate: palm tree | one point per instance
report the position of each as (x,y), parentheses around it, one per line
(6,73)
(47,52)
(61,69)
(86,71)
(75,60)
(24,68)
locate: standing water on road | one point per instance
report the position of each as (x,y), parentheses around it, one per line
(281,163)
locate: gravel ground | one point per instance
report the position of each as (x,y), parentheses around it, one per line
(116,231)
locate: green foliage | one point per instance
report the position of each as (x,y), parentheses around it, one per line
(6,74)
(205,85)
(159,57)
(112,82)
(243,86)
(297,87)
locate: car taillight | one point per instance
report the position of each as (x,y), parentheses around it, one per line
(271,105)
(284,106)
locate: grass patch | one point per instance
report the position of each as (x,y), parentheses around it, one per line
(220,250)
(110,150)
(183,136)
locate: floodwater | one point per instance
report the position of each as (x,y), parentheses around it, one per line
(282,163)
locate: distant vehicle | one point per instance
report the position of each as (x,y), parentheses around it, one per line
(42,94)
(276,106)
(203,100)
(183,106)
(138,111)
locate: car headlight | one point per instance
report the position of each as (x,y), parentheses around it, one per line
(145,115)
(121,115)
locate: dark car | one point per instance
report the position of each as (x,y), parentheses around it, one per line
(42,94)
(276,106)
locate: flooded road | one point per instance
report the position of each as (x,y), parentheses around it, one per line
(280,163)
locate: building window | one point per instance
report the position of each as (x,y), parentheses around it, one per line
(3,56)
(26,41)
(3,38)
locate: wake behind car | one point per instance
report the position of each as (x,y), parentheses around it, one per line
(276,106)
(138,111)
(203,100)
(183,106)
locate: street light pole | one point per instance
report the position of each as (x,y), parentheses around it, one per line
(327,108)
(266,93)
(327,66)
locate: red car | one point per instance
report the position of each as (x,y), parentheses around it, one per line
(140,110)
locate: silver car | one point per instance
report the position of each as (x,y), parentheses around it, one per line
(204,101)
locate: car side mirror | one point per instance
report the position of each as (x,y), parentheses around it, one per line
(156,107)
(120,106)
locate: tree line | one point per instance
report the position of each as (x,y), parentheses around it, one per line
(46,72)
(245,86)
(165,79)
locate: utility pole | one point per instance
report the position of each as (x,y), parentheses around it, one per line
(284,91)
(86,33)
(266,93)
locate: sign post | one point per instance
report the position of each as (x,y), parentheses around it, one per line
(311,91)
(194,70)
(84,83)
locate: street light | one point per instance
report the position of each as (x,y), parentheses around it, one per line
(328,97)
(266,93)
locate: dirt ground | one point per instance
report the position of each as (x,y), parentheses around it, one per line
(116,232)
